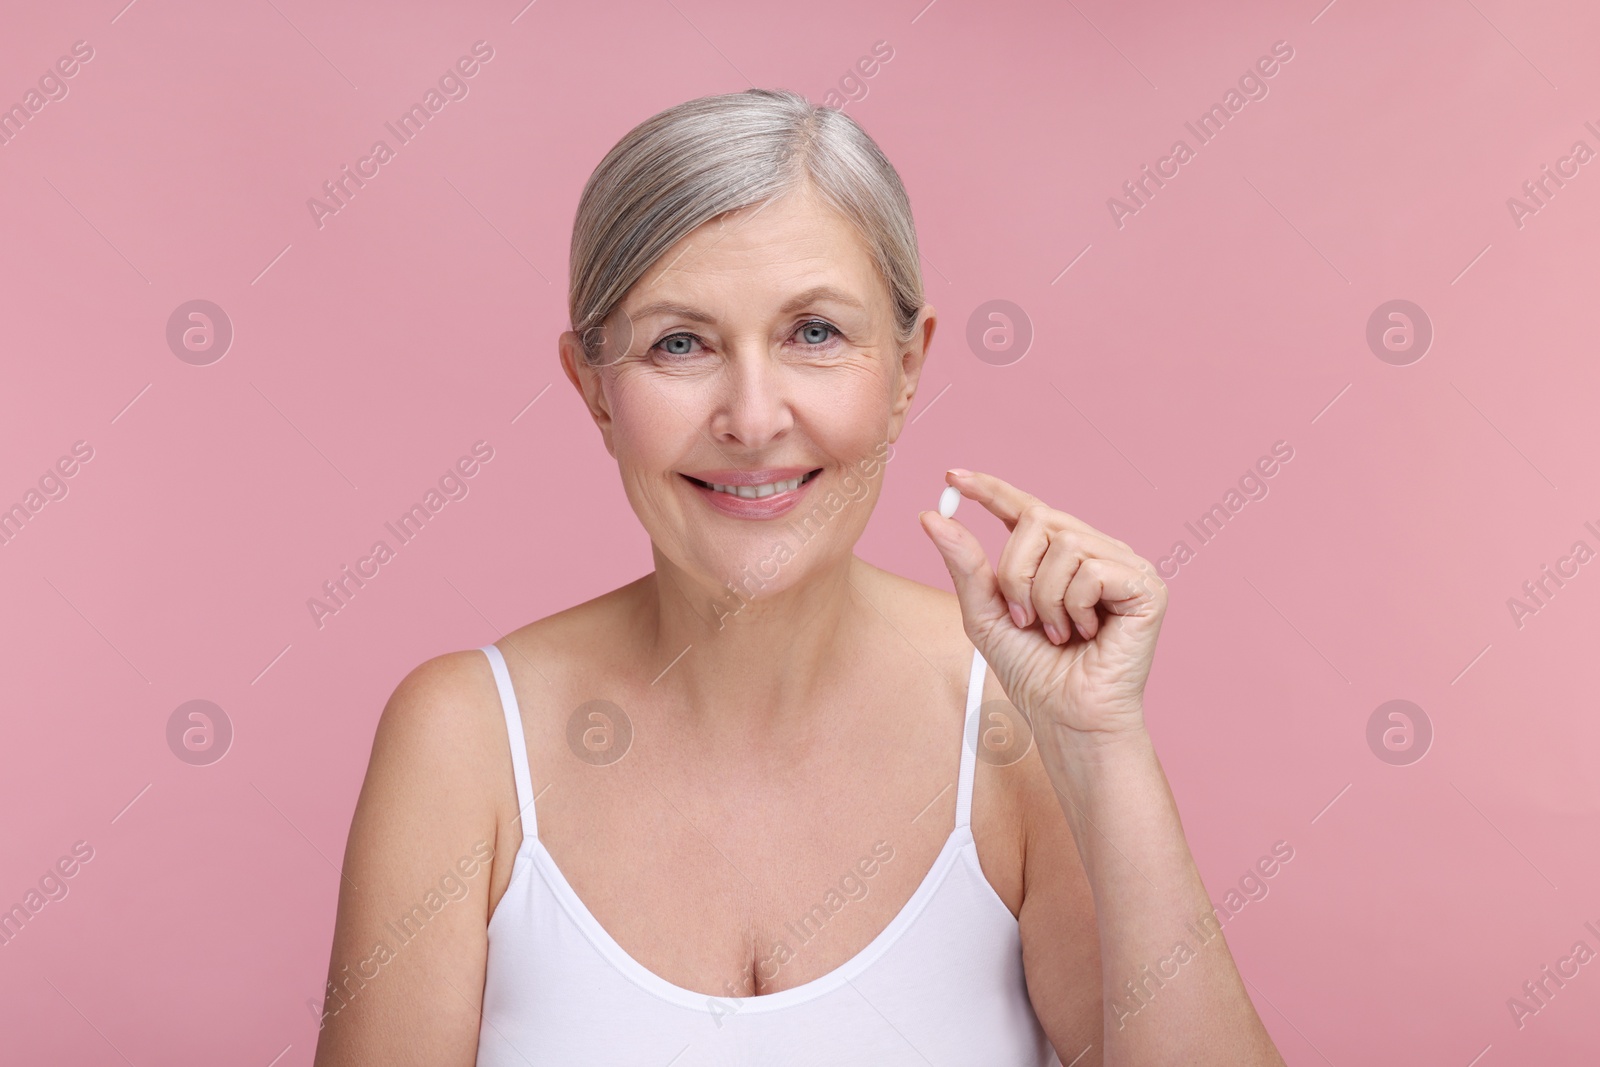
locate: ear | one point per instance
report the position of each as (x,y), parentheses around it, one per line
(585,377)
(912,360)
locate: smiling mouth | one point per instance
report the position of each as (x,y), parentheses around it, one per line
(755,492)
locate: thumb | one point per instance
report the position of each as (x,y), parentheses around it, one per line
(977,588)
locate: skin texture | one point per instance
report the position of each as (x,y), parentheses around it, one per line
(780,737)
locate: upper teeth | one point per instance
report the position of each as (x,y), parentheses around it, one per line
(753,491)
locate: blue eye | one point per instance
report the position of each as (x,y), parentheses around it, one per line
(686,338)
(818,324)
(680,346)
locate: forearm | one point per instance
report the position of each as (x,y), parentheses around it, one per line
(1172,993)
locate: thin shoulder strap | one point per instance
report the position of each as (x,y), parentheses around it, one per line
(969,746)
(519,746)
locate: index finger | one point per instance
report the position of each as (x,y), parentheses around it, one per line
(1003,500)
(1007,502)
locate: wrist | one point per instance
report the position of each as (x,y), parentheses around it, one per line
(1102,745)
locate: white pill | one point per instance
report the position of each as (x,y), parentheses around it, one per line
(948,501)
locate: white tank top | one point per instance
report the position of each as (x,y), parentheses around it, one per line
(941,984)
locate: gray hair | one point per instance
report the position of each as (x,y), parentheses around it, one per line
(700,159)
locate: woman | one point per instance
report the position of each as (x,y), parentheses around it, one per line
(761,805)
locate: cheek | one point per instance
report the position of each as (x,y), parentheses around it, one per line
(850,411)
(649,440)
(647,425)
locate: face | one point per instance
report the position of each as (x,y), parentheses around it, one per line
(756,354)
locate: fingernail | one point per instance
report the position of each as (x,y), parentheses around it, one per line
(1079,628)
(959,472)
(1052,633)
(1018,616)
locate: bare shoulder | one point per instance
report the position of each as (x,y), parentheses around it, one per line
(441,757)
(1007,758)
(430,776)
(555,663)
(437,711)
(420,842)
(1024,843)
(930,620)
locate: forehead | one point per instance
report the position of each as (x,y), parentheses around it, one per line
(790,244)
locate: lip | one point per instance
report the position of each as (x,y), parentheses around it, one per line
(766,507)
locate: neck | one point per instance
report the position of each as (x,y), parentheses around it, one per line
(751,660)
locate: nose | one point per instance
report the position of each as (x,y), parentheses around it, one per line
(753,406)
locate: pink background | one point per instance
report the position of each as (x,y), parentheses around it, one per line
(1229,313)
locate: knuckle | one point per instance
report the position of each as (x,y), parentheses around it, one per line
(1074,544)
(1033,510)
(1013,584)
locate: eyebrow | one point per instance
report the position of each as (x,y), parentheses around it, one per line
(815,294)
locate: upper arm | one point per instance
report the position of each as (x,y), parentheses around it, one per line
(1060,937)
(405,981)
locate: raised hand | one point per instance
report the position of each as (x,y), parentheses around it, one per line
(1069,622)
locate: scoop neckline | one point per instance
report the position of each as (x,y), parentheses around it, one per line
(651,982)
